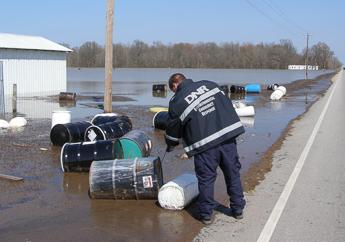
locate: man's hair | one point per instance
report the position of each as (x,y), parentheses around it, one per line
(175,78)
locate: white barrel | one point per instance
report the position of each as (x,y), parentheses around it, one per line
(247,121)
(4,124)
(17,122)
(245,111)
(61,117)
(277,95)
(281,88)
(239,105)
(178,193)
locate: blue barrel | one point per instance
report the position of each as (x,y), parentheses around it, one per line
(253,88)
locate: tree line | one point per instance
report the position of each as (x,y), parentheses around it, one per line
(227,55)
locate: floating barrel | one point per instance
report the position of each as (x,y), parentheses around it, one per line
(245,111)
(61,117)
(237,89)
(78,157)
(67,96)
(179,192)
(159,94)
(138,178)
(111,130)
(135,144)
(272,86)
(68,133)
(253,88)
(159,88)
(160,120)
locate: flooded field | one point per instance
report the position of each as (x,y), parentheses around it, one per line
(51,204)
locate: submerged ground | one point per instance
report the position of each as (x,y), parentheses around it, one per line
(52,204)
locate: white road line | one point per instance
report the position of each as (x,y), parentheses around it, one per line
(272,221)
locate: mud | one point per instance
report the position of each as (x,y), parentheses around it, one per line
(52,205)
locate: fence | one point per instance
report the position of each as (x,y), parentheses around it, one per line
(2,92)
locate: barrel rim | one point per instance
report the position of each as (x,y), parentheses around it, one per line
(104,115)
(61,157)
(154,117)
(94,126)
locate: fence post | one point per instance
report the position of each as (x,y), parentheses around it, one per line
(14,98)
(2,92)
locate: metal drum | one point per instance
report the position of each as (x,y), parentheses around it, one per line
(68,133)
(77,157)
(138,178)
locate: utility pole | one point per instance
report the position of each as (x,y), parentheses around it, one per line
(306,58)
(108,58)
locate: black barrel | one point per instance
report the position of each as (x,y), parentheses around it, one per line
(67,96)
(272,86)
(159,88)
(110,117)
(111,130)
(160,120)
(139,178)
(77,157)
(135,144)
(237,89)
(225,89)
(68,133)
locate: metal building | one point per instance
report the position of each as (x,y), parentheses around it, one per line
(37,65)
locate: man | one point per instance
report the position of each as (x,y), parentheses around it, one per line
(205,119)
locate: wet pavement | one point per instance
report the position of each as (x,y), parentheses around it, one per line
(51,205)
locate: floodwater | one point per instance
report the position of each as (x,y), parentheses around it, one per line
(50,205)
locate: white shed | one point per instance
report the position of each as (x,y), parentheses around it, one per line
(37,65)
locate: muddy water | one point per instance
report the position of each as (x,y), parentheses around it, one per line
(53,206)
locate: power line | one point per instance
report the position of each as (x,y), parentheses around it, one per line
(271,19)
(281,13)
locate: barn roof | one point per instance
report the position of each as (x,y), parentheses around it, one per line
(14,41)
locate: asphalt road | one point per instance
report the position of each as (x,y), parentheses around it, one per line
(303,197)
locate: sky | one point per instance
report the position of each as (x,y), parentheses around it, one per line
(174,21)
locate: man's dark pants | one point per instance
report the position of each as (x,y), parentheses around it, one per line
(226,157)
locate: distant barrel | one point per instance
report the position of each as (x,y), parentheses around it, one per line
(138,178)
(160,120)
(67,96)
(253,88)
(159,87)
(77,157)
(272,87)
(237,89)
(68,133)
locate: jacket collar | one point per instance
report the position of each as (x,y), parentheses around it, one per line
(184,83)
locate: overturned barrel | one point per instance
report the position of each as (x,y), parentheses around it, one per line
(237,89)
(272,87)
(103,118)
(139,178)
(77,157)
(107,131)
(160,120)
(225,89)
(67,96)
(68,133)
(135,144)
(253,88)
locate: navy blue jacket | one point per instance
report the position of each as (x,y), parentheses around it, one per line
(202,116)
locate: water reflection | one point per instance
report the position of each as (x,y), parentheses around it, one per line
(162,94)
